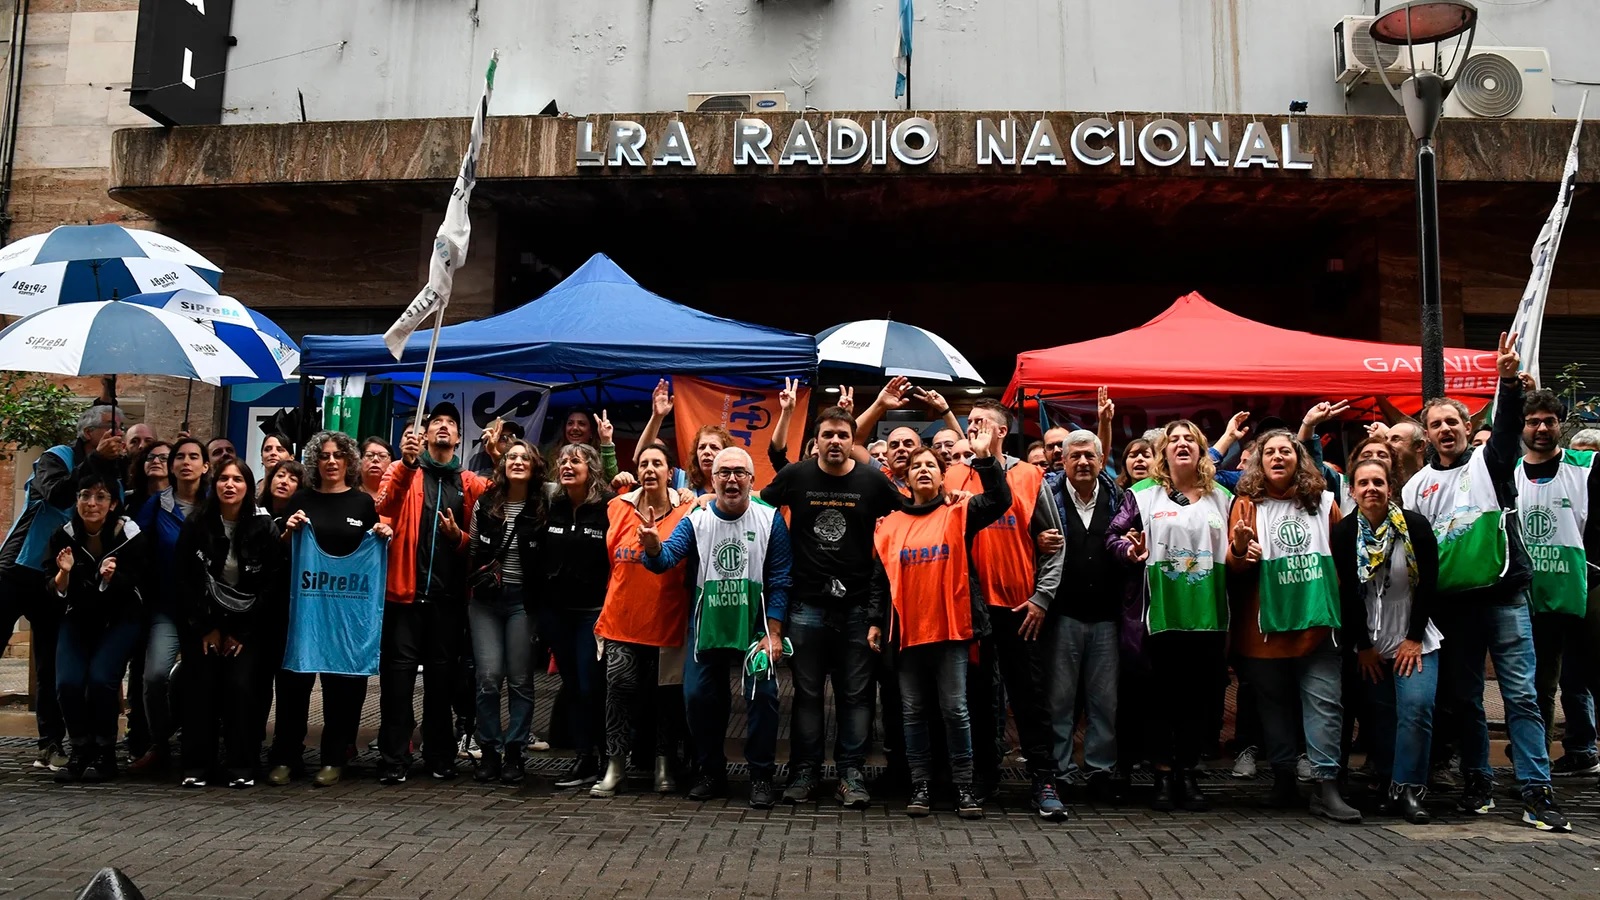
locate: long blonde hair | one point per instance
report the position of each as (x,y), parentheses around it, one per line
(1205,469)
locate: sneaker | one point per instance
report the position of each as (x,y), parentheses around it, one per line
(985,787)
(801,787)
(921,802)
(708,787)
(585,772)
(150,763)
(1442,776)
(967,805)
(1477,795)
(50,757)
(537,743)
(468,748)
(1539,809)
(1046,800)
(241,782)
(1244,765)
(103,766)
(1303,771)
(761,794)
(393,774)
(1576,764)
(194,781)
(73,771)
(852,790)
(443,771)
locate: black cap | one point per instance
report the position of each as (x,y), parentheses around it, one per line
(511,429)
(447,410)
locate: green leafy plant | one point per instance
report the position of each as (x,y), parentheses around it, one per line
(35,413)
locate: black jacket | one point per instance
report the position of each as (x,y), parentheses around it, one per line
(573,565)
(203,547)
(1352,596)
(87,600)
(983,510)
(491,532)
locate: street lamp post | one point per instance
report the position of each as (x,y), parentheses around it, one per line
(1421,26)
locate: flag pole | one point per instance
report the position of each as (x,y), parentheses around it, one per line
(427,371)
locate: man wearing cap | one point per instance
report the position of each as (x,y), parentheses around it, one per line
(483,462)
(429,498)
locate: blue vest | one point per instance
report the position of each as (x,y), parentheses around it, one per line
(47,519)
(335,607)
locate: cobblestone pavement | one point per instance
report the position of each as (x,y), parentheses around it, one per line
(458,839)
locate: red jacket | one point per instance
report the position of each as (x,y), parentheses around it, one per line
(400,500)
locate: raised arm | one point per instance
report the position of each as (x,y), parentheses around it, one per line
(660,408)
(891,397)
(1505,435)
(1107,414)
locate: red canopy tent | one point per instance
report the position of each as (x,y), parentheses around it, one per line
(1196,347)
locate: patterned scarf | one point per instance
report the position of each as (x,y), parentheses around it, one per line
(1373,546)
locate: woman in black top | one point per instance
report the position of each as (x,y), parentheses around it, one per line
(340,515)
(284,479)
(98,557)
(573,571)
(230,566)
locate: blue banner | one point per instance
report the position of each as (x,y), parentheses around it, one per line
(335,607)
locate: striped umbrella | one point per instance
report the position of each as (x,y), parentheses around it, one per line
(116,338)
(266,348)
(75,263)
(893,348)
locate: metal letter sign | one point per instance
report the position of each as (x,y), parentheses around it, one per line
(179,56)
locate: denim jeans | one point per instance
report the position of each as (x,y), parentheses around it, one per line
(23,593)
(1402,723)
(502,650)
(1301,697)
(90,659)
(708,702)
(934,676)
(569,633)
(1505,635)
(1084,660)
(160,656)
(838,650)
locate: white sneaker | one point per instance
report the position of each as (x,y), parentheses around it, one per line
(1244,766)
(469,748)
(1303,771)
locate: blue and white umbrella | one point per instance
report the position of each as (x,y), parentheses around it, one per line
(76,263)
(893,348)
(258,340)
(116,338)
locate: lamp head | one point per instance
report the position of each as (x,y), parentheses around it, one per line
(1421,26)
(1424,22)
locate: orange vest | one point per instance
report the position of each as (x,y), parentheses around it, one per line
(926,560)
(1003,553)
(642,607)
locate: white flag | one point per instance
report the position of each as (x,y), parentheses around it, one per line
(1528,323)
(450,244)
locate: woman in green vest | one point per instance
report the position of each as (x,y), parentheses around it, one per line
(1174,529)
(1285,610)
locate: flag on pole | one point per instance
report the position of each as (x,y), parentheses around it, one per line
(1528,323)
(450,245)
(902,60)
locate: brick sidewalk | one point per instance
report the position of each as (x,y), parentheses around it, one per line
(459,839)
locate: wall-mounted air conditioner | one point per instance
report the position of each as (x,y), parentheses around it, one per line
(1504,83)
(738,101)
(1358,59)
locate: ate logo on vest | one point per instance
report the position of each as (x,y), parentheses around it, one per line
(1293,535)
(1541,525)
(729,558)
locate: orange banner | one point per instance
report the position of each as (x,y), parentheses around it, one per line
(749,414)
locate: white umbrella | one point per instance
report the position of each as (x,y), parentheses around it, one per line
(257,339)
(893,348)
(116,338)
(75,263)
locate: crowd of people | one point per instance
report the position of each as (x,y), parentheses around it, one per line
(944,584)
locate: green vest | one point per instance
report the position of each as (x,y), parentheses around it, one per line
(1299,589)
(1553,515)
(1461,505)
(1184,575)
(730,607)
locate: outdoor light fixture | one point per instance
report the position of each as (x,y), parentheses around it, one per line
(1423,27)
(1299,106)
(976,390)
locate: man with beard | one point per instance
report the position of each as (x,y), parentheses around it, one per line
(427,496)
(834,504)
(1553,492)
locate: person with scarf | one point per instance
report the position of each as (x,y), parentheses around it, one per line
(1285,611)
(1387,561)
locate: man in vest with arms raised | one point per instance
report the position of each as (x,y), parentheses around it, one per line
(738,555)
(1553,491)
(1469,495)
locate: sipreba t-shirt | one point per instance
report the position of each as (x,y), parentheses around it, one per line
(339,520)
(832,518)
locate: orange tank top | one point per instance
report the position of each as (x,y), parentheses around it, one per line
(1003,553)
(926,561)
(642,607)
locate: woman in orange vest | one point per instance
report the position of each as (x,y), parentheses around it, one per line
(643,613)
(922,595)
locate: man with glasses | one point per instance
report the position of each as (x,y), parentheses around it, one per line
(1553,492)
(51,492)
(738,557)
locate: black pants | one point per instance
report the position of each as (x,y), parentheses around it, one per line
(426,634)
(1133,709)
(1178,721)
(23,593)
(138,719)
(1020,665)
(1562,641)
(342,699)
(222,689)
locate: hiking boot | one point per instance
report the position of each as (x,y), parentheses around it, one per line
(762,796)
(921,802)
(1046,801)
(852,791)
(967,805)
(1330,804)
(1244,766)
(801,787)
(709,787)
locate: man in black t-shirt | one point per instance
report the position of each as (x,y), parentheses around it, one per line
(834,505)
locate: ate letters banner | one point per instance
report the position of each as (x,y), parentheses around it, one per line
(749,414)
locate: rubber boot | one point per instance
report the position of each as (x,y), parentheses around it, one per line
(611,782)
(666,782)
(1327,802)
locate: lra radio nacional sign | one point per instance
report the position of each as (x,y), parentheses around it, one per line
(838,141)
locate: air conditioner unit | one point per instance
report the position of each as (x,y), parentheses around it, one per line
(738,101)
(1504,83)
(1358,59)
